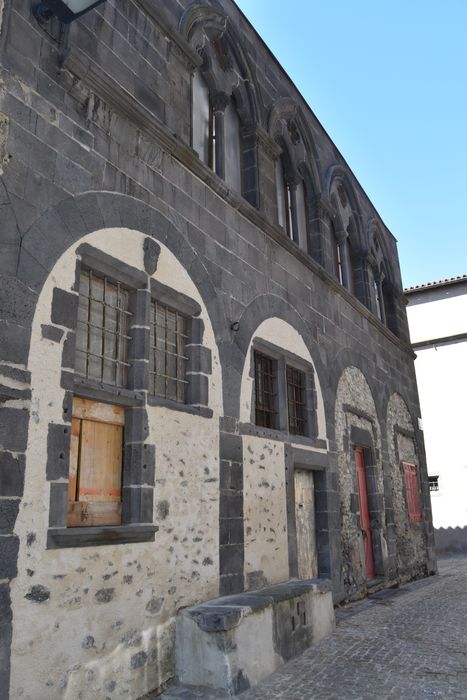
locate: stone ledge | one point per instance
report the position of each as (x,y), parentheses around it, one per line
(231,643)
(58,537)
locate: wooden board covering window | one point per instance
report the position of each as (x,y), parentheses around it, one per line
(94,486)
(412,492)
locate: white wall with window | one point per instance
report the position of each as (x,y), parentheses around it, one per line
(265,494)
(437,315)
(186,493)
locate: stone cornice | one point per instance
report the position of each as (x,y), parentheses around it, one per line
(119,99)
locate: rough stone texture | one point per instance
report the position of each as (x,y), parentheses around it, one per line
(104,143)
(233,642)
(400,643)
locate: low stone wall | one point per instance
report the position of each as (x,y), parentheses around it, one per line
(230,644)
(451,540)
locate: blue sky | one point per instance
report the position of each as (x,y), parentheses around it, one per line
(388,81)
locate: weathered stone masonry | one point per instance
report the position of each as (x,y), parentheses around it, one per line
(96,164)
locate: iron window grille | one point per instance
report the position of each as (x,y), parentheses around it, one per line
(265,391)
(296,401)
(102,337)
(167,357)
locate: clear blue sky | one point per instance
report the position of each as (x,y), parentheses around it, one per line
(388,81)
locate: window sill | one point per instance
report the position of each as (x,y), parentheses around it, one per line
(89,389)
(202,411)
(60,537)
(281,436)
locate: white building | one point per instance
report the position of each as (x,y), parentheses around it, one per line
(437,313)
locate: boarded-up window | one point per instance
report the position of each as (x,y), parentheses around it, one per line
(412,493)
(102,330)
(95,476)
(167,360)
(265,391)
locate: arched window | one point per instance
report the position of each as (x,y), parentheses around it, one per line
(202,133)
(232,147)
(291,205)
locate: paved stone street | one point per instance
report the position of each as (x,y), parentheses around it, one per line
(407,643)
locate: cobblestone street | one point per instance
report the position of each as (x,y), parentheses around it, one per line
(407,643)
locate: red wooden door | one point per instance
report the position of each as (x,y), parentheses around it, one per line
(364,513)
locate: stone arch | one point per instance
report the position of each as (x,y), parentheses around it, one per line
(260,309)
(208,30)
(341,193)
(357,425)
(288,127)
(59,227)
(282,333)
(410,540)
(163,426)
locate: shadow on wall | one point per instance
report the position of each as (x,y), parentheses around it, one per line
(451,540)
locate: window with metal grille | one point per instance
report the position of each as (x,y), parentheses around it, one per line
(102,330)
(167,359)
(411,491)
(265,391)
(434,483)
(296,401)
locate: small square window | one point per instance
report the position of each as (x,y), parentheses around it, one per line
(296,401)
(265,391)
(95,476)
(168,358)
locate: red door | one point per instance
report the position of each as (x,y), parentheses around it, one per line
(364,512)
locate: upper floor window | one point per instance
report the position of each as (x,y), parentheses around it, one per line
(216,132)
(232,149)
(203,134)
(291,205)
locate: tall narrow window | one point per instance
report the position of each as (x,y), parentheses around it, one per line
(102,330)
(202,120)
(411,491)
(378,299)
(300,199)
(265,391)
(284,202)
(296,401)
(232,152)
(167,361)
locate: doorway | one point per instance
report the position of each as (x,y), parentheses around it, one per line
(365,522)
(305,524)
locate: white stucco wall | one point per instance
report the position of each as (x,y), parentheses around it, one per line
(264,487)
(73,644)
(442,386)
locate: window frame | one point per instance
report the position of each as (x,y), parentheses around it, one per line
(137,470)
(283,359)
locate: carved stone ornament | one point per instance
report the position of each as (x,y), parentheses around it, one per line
(152,250)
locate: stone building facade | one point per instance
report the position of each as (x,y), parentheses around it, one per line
(168,200)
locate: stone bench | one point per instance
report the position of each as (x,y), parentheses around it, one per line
(231,643)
